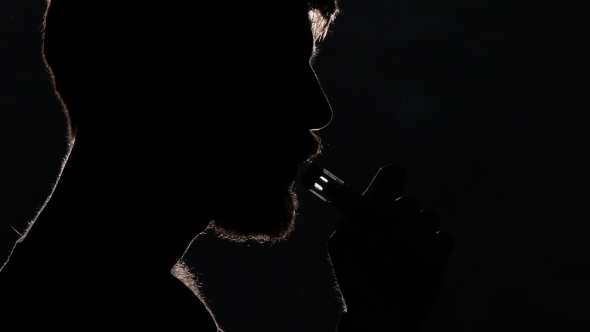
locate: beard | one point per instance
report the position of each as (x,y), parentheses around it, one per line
(265,211)
(258,215)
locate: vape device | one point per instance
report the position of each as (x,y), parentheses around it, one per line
(329,188)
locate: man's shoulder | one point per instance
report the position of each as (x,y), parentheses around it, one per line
(88,290)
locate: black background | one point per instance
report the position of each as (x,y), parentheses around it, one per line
(486,103)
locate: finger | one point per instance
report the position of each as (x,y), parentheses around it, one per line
(398,225)
(440,249)
(388,183)
(429,221)
(406,211)
(439,259)
(407,205)
(447,241)
(426,227)
(429,276)
(433,256)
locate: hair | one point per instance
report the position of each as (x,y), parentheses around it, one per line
(321,15)
(95,51)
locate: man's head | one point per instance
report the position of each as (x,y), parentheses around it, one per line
(222,96)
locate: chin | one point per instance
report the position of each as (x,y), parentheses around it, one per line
(257,215)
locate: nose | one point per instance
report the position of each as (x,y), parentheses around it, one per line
(317,112)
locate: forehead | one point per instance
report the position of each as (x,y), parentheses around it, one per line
(275,32)
(291,20)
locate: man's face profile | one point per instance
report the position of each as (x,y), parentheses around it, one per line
(223,94)
(274,104)
(254,101)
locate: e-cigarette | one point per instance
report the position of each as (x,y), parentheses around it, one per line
(328,187)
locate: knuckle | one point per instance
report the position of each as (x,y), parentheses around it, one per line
(407,203)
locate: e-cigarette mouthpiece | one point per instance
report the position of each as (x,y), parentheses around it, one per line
(328,187)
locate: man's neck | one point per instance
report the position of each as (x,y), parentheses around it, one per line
(146,220)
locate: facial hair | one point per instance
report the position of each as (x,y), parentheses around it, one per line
(264,212)
(262,216)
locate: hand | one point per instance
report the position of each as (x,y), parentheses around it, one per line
(389,258)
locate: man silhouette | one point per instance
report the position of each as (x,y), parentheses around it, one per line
(183,115)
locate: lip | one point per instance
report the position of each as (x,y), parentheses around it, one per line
(299,147)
